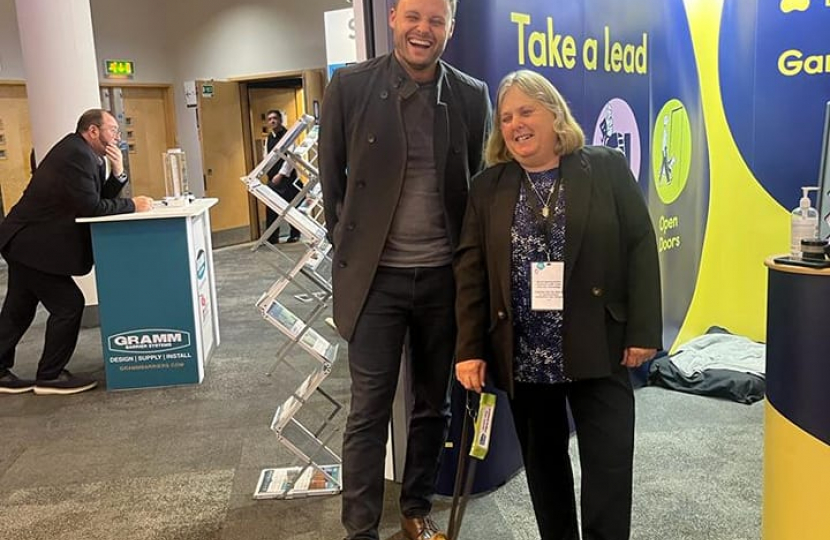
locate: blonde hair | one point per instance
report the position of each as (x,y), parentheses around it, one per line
(569,136)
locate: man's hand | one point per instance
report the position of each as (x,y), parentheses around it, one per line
(277,179)
(116,159)
(142,203)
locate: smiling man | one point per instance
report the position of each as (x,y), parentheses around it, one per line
(400,136)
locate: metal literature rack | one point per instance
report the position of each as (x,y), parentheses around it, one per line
(317,468)
(305,207)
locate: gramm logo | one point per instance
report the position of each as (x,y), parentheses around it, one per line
(149,340)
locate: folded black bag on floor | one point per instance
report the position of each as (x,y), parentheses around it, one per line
(718,364)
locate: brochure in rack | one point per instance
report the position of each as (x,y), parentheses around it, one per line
(293,482)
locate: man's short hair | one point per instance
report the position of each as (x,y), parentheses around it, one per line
(453,5)
(92,117)
(274,111)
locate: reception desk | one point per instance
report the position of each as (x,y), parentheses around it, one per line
(797,415)
(156,294)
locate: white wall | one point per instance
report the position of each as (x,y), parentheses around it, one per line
(11,56)
(225,39)
(175,41)
(127,30)
(123,29)
(220,39)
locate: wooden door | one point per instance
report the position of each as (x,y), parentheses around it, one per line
(149,130)
(313,88)
(15,144)
(223,159)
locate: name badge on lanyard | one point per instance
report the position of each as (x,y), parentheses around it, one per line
(547,291)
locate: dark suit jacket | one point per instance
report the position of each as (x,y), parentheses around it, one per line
(270,143)
(40,230)
(612,278)
(286,188)
(362,160)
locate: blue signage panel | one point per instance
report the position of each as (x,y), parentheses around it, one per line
(143,272)
(629,74)
(775,82)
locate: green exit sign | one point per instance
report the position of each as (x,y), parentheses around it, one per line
(119,69)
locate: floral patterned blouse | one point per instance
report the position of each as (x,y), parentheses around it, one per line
(538,353)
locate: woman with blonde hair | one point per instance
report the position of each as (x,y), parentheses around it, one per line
(558,294)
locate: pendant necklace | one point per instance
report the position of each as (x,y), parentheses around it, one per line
(544,202)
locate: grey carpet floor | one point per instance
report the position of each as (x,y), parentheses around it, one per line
(182,463)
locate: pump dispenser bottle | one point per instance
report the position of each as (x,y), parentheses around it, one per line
(804,222)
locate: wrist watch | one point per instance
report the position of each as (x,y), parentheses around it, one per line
(122,177)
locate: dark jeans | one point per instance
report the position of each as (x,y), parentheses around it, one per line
(62,299)
(419,301)
(603,412)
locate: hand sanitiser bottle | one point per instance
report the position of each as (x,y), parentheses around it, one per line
(804,222)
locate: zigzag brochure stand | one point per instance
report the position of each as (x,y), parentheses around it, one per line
(317,468)
(301,155)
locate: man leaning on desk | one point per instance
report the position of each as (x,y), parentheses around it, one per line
(44,248)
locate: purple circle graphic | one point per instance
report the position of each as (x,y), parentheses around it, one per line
(617,128)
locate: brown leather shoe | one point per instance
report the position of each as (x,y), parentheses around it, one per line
(421,528)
